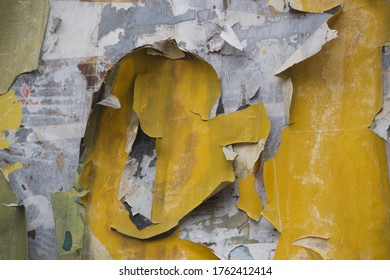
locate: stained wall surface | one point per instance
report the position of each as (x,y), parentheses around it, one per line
(277,108)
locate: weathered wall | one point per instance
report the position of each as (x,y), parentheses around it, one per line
(247,43)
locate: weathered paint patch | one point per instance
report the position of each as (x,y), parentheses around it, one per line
(19,48)
(195,111)
(10,116)
(241,252)
(69,214)
(162,82)
(318,6)
(381,122)
(234,227)
(330,175)
(249,200)
(246,165)
(13,232)
(59,97)
(319,245)
(63,41)
(310,47)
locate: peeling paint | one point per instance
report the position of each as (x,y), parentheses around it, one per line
(160,87)
(19,48)
(310,47)
(318,245)
(329,160)
(83,40)
(381,122)
(69,221)
(240,253)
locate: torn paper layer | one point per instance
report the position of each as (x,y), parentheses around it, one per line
(318,245)
(13,231)
(84,38)
(309,48)
(20,48)
(231,38)
(183,172)
(329,159)
(381,121)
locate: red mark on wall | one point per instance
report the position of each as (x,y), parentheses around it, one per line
(25,92)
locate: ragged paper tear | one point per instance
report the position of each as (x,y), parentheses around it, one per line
(226,35)
(137,189)
(247,156)
(230,37)
(245,165)
(328,145)
(310,47)
(230,154)
(167,48)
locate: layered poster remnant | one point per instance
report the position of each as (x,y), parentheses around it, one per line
(13,233)
(328,186)
(170,93)
(22,26)
(194,129)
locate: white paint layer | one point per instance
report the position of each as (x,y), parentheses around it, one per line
(77,31)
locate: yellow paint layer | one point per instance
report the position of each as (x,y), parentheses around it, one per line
(249,200)
(329,179)
(318,6)
(10,115)
(172,99)
(8,169)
